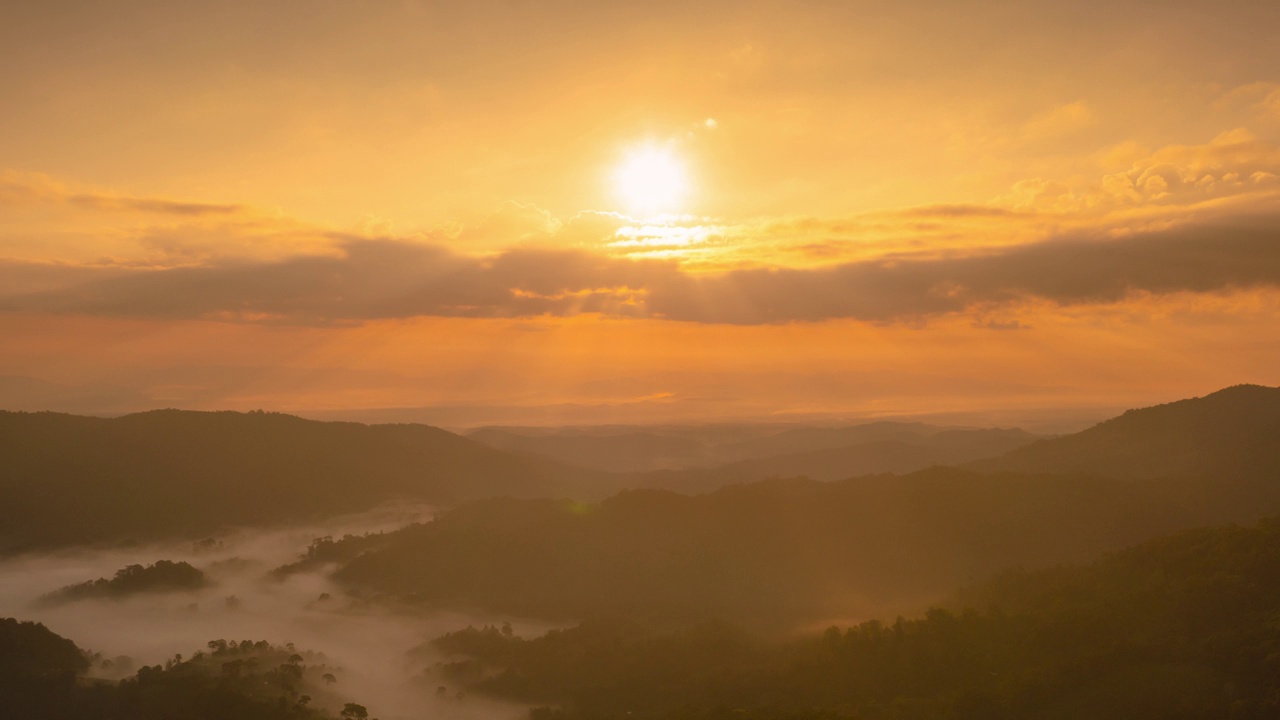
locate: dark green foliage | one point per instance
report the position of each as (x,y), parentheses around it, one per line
(354,711)
(1183,627)
(163,576)
(611,663)
(29,651)
(70,480)
(246,681)
(776,551)
(327,551)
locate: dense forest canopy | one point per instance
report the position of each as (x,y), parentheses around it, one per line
(1179,627)
(43,675)
(1183,626)
(160,576)
(782,550)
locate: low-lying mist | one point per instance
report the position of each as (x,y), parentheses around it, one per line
(368,645)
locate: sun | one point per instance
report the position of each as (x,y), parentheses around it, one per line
(651,180)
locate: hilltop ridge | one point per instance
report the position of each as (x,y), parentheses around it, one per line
(1232,433)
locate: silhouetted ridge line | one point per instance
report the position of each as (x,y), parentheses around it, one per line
(797,550)
(68,479)
(1230,435)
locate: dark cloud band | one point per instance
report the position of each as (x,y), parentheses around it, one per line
(394,279)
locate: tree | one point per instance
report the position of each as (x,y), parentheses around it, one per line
(352,711)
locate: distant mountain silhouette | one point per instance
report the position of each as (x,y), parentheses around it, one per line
(798,549)
(778,550)
(70,480)
(948,447)
(1230,434)
(796,440)
(733,450)
(625,450)
(66,479)
(917,451)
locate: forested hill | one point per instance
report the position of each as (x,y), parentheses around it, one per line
(44,676)
(798,549)
(948,447)
(1179,627)
(68,479)
(1231,434)
(747,451)
(774,551)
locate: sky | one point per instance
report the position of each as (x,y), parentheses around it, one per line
(552,212)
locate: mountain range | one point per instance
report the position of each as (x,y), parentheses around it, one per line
(69,479)
(798,550)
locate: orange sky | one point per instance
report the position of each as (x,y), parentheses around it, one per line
(999,206)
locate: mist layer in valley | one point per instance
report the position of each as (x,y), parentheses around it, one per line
(944,584)
(366,646)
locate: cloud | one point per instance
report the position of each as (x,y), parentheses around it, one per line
(955,211)
(1090,269)
(395,278)
(46,221)
(371,279)
(513,224)
(1235,163)
(152,205)
(30,188)
(1058,122)
(1263,98)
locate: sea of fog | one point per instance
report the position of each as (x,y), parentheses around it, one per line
(369,646)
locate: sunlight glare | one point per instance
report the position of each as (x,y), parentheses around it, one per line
(651,180)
